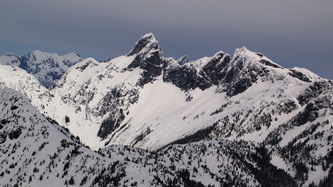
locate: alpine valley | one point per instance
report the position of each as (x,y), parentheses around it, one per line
(146,120)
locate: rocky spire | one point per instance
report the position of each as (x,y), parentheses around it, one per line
(149,57)
(145,44)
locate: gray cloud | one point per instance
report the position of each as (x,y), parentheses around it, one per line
(293,33)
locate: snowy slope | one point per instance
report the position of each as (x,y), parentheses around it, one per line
(16,78)
(46,67)
(36,151)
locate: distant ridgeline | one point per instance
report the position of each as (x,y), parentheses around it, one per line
(46,67)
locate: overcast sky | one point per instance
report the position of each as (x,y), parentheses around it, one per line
(290,32)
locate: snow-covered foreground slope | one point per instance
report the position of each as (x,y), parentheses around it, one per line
(46,67)
(36,151)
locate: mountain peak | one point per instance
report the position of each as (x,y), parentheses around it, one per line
(242,49)
(146,43)
(38,55)
(244,52)
(245,55)
(149,35)
(182,60)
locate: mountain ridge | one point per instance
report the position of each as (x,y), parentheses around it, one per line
(144,100)
(196,77)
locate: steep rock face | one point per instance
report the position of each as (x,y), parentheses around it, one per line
(202,74)
(148,57)
(186,78)
(214,69)
(46,67)
(243,72)
(113,104)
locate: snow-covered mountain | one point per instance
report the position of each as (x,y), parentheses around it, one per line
(141,98)
(232,103)
(46,67)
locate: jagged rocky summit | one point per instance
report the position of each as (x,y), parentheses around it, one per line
(146,101)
